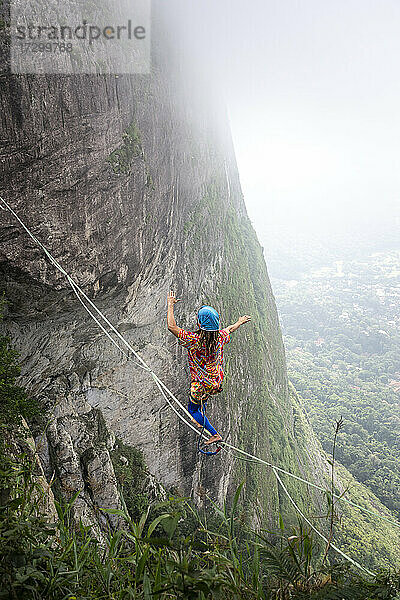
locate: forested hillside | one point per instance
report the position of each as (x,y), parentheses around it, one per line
(341,327)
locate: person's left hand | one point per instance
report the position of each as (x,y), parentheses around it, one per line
(244,319)
(172,299)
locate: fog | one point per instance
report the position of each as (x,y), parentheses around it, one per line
(313,93)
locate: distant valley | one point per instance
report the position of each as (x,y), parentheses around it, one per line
(341,329)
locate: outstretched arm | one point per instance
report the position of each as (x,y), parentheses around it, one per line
(239,322)
(171,323)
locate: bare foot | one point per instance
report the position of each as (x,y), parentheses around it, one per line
(195,422)
(214,438)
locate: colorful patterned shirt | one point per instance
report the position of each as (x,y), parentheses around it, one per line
(207,370)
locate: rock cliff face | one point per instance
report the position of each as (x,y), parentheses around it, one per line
(131,182)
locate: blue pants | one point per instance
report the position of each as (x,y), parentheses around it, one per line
(195,411)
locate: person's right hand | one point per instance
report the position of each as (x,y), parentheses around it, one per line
(171,298)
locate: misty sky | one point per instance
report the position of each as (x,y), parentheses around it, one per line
(313,90)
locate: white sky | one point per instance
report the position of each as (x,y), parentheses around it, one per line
(313,90)
(316,125)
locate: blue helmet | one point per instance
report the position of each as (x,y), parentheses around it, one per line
(208,318)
